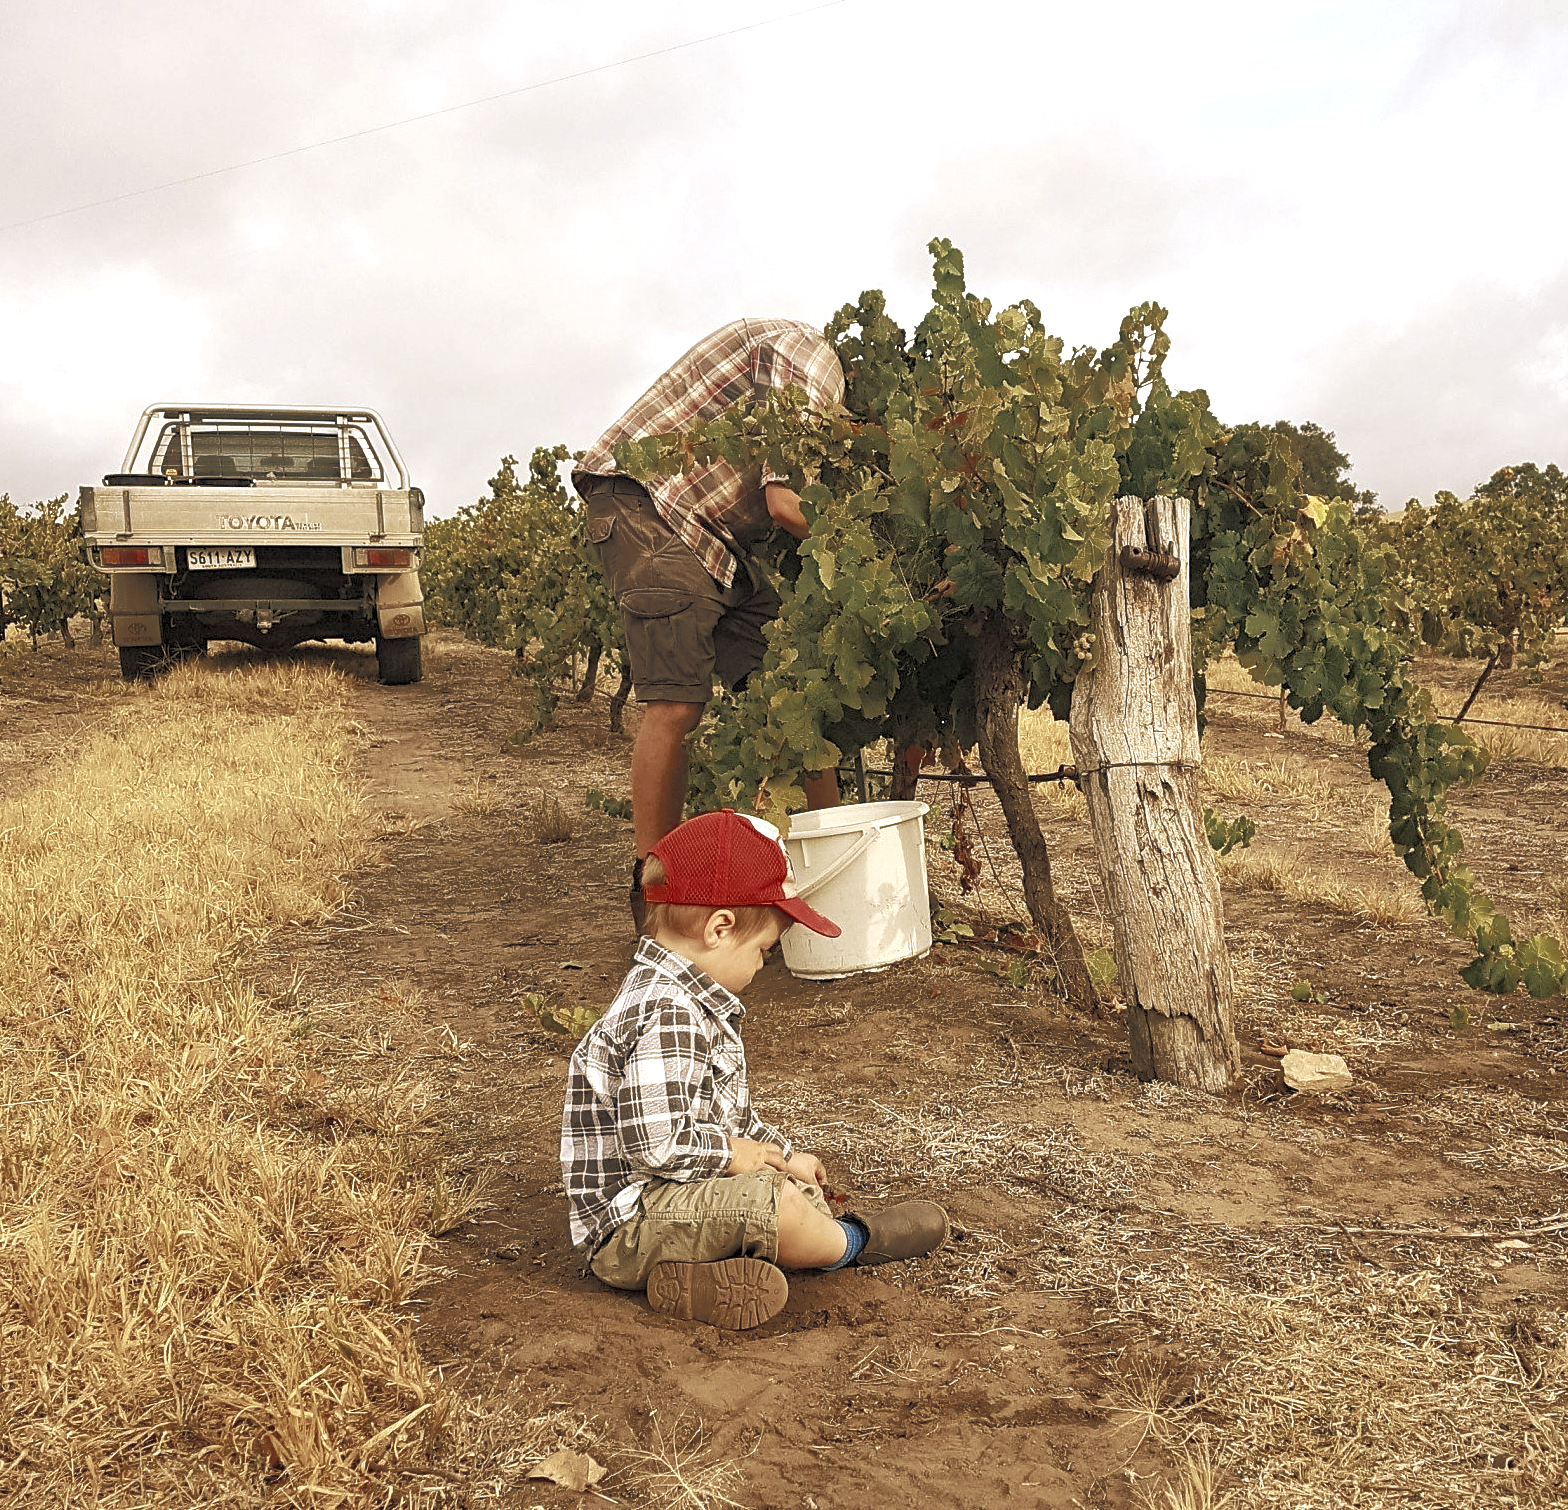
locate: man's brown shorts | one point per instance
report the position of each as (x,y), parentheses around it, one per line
(682,627)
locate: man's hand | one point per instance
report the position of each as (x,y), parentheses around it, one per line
(785,511)
(747,1156)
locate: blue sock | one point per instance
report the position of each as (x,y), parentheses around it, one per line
(855,1239)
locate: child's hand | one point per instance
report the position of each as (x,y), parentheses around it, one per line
(806,1169)
(747,1156)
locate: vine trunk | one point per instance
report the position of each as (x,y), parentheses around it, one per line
(619,696)
(999,690)
(591,675)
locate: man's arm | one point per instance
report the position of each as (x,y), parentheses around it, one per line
(785,511)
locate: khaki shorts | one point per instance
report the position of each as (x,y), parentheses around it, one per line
(698,1221)
(682,628)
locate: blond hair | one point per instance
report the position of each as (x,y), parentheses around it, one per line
(688,920)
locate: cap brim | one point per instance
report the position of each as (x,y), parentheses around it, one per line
(802,912)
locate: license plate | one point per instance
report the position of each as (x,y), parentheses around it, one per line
(211,557)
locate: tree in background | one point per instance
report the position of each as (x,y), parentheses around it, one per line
(1324,467)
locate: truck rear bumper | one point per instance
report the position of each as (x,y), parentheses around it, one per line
(388,605)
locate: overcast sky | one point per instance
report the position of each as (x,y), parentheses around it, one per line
(1354,211)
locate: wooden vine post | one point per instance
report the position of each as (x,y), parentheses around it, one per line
(1135,742)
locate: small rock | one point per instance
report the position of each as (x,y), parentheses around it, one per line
(510,1251)
(1314,1072)
(571,1470)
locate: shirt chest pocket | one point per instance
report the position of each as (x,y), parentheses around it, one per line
(726,1080)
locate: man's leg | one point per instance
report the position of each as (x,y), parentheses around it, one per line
(739,645)
(659,770)
(821,790)
(659,773)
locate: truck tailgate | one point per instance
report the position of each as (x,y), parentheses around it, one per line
(185,515)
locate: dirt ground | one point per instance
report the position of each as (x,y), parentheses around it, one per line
(1067,1343)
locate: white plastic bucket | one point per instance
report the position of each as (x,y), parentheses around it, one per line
(864,867)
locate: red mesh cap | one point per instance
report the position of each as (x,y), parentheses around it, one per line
(725,859)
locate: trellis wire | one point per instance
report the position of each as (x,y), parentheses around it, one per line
(1495,723)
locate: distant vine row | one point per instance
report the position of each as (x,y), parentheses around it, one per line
(514,570)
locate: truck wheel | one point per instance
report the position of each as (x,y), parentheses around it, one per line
(138,663)
(399,661)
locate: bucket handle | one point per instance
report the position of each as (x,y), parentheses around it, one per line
(848,858)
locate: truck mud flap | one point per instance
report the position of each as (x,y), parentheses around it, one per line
(133,609)
(400,610)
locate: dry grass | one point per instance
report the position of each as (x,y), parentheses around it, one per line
(1370,1388)
(1268,781)
(1520,744)
(199,1265)
(1555,903)
(676,1471)
(1266,868)
(958,1136)
(394,823)
(1298,1366)
(1226,674)
(1371,833)
(1515,1133)
(550,823)
(1194,1485)
(1045,745)
(478,800)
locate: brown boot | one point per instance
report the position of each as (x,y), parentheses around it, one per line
(733,1294)
(908,1231)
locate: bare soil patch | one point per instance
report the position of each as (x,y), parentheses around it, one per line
(1136,1272)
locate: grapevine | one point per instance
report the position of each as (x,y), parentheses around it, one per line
(514,570)
(959,510)
(44,578)
(1485,576)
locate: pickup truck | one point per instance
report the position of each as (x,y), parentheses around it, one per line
(269,524)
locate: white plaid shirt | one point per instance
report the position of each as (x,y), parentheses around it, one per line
(656,1088)
(718,509)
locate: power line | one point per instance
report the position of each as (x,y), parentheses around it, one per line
(428,115)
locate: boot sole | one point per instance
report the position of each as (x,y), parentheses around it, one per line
(734,1294)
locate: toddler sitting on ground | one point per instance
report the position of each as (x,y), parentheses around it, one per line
(674,1182)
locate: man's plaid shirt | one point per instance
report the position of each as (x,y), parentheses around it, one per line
(656,1087)
(718,509)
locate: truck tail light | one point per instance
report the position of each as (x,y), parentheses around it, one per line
(130,555)
(383,556)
